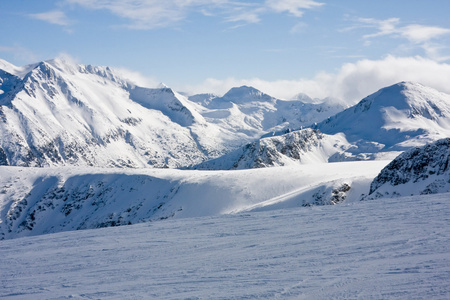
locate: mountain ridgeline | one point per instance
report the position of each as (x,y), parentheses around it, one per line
(57,113)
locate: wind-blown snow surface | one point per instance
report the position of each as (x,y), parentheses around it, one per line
(46,200)
(383,249)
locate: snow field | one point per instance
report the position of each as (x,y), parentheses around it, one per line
(46,200)
(383,249)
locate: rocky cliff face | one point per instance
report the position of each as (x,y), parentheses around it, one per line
(422,170)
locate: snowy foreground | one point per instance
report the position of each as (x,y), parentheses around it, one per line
(395,248)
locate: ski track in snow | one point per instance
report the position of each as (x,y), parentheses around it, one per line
(381,249)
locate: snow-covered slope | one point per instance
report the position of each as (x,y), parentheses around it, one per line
(393,119)
(251,113)
(381,126)
(44,200)
(384,249)
(203,99)
(422,170)
(58,113)
(64,114)
(297,147)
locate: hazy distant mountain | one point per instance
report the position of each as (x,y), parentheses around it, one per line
(254,113)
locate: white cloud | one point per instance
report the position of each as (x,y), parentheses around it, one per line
(351,83)
(294,7)
(357,80)
(136,78)
(414,33)
(246,16)
(385,27)
(434,51)
(56,17)
(420,34)
(151,14)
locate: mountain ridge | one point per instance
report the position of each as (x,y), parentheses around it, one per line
(59,113)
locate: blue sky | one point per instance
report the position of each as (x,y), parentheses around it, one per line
(345,48)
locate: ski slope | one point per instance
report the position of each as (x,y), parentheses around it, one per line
(395,248)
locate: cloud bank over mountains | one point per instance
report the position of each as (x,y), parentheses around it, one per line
(351,82)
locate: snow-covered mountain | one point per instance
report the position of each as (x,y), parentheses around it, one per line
(393,119)
(421,170)
(297,147)
(256,113)
(59,113)
(381,126)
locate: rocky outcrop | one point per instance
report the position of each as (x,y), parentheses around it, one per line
(422,170)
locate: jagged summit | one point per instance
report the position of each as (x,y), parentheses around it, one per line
(61,113)
(14,70)
(297,147)
(413,98)
(162,85)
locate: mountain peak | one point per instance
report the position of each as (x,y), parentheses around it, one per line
(241,91)
(162,85)
(303,98)
(411,97)
(14,70)
(245,93)
(394,117)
